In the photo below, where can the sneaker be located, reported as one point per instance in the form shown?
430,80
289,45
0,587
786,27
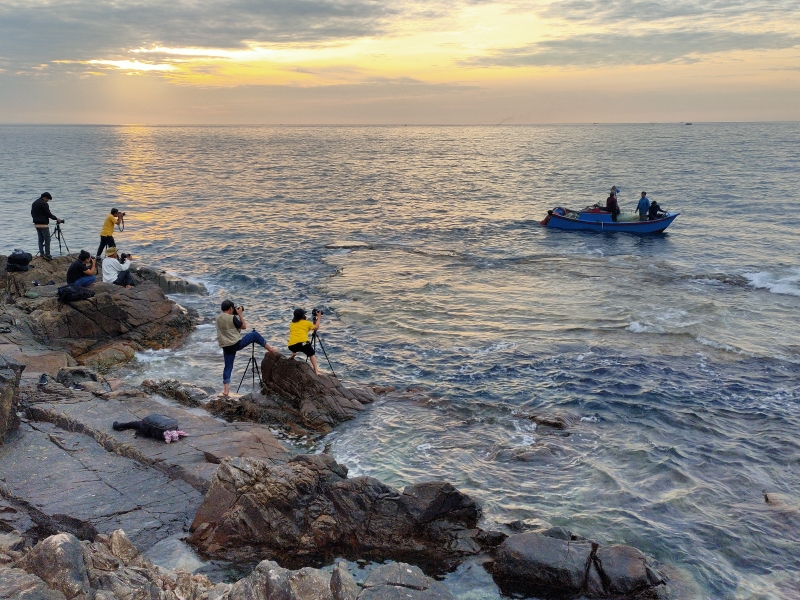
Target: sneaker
47,257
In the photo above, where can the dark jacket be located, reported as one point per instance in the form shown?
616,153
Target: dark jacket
40,212
654,210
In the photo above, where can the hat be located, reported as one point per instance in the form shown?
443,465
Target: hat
110,251
299,313
46,195
614,189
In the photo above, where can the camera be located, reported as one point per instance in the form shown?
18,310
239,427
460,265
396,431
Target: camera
123,257
316,312
238,308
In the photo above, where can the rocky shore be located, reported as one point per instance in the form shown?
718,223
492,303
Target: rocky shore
80,501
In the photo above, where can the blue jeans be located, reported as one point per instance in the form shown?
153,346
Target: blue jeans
44,240
124,278
230,352
85,281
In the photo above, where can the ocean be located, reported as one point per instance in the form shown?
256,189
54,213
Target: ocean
677,355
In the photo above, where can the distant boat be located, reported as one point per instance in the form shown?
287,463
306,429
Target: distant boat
688,123
596,219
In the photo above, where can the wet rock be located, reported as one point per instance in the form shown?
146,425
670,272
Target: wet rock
343,586
400,581
559,421
308,507
552,565
296,399
10,374
11,542
58,561
348,245
185,393
169,283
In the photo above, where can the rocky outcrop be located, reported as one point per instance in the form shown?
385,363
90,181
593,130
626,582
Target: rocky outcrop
296,399
101,331
62,567
10,373
169,284
185,393
568,565
308,507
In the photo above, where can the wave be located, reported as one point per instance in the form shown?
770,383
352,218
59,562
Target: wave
788,285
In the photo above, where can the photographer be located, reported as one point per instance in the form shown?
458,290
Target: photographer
230,323
298,335
107,232
81,272
41,215
116,269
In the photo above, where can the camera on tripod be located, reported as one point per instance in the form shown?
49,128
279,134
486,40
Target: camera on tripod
315,313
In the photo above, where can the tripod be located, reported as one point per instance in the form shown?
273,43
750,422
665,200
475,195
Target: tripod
253,366
314,339
60,237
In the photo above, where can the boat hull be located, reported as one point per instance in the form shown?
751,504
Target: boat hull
587,224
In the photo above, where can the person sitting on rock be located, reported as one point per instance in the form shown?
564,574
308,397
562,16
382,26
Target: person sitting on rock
298,335
230,323
116,271
81,273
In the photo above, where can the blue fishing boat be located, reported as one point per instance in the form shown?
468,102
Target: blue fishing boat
597,219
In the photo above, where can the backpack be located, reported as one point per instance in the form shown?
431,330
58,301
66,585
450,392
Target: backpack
71,293
18,261
152,426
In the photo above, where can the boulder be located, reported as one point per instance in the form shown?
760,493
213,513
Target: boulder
169,283
185,393
559,564
308,508
16,584
10,374
83,378
268,580
400,581
294,397
343,586
58,561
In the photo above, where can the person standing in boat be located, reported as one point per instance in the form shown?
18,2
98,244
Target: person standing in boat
643,208
612,205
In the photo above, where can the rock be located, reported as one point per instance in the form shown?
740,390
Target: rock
169,284
308,507
400,581
82,378
10,374
343,586
110,326
16,584
185,393
270,581
554,421
348,245
11,541
297,399
544,565
58,561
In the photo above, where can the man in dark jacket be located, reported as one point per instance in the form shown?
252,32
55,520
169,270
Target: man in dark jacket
41,215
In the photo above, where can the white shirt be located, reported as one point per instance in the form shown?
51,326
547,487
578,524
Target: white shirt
112,268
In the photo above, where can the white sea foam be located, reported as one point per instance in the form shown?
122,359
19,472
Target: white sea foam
788,284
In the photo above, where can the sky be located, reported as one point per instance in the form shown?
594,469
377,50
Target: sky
399,62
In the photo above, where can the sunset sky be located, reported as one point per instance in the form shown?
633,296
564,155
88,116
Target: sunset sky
404,62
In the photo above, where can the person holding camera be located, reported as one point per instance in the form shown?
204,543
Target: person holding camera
81,273
116,269
230,323
298,334
107,232
41,215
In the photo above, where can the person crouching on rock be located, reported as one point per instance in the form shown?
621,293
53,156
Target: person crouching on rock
298,335
230,323
116,270
81,273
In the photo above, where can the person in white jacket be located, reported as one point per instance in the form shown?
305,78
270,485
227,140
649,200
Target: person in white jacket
116,271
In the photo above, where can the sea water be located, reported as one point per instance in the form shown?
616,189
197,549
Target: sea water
677,355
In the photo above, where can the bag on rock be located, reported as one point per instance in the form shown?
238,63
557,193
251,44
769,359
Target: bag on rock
71,293
18,261
152,426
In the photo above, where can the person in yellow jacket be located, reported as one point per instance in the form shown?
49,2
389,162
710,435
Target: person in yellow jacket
107,232
298,335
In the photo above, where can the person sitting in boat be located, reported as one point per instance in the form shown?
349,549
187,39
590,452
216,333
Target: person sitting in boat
655,211
612,205
643,208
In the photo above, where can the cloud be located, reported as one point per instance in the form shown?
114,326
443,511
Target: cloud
646,49
39,30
